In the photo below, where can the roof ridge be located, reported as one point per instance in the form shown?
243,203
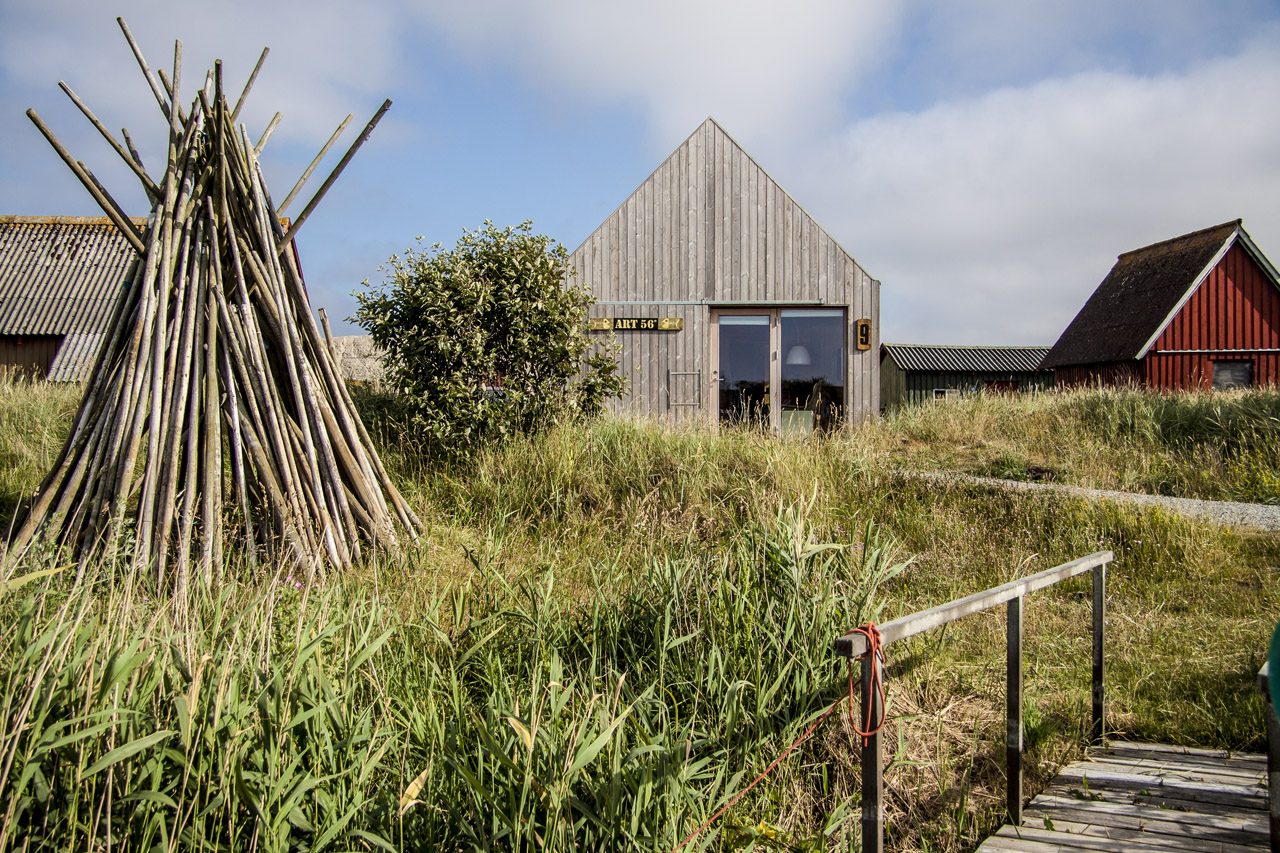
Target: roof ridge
971,346
12,219
1235,223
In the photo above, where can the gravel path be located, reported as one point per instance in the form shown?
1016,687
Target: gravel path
1256,516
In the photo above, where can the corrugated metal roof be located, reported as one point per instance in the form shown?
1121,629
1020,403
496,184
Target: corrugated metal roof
60,275
75,357
961,359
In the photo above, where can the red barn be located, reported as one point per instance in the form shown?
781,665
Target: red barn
1198,311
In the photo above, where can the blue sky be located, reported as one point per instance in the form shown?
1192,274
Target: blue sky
985,160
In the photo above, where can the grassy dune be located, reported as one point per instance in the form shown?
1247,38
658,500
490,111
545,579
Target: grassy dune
1219,446
604,633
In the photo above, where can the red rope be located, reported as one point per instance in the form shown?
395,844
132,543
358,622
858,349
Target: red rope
872,633
874,648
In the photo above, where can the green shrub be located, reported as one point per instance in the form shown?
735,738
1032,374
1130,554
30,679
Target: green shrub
487,340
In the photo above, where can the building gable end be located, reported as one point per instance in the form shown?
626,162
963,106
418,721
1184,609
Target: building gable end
1190,291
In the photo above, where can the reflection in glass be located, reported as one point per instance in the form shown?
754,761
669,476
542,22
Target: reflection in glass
744,369
813,369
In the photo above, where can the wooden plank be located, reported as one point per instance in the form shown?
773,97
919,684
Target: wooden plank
1273,763
1083,775
1148,841
1241,820
1149,823
1068,836
855,645
1140,796
1244,762
1248,774
1158,797
1117,780
1245,775
1158,774
1215,755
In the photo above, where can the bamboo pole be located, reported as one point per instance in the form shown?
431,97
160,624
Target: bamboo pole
212,358
129,158
244,93
333,176
333,137
146,69
266,134
108,204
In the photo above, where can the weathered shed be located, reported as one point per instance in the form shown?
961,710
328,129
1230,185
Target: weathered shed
914,373
1198,311
59,277
729,301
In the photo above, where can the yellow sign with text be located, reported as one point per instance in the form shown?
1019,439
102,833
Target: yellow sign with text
637,324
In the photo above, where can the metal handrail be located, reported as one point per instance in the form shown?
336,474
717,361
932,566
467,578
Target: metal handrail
1011,594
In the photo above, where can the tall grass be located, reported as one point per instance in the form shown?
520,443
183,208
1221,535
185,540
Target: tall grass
1216,445
605,633
506,716
36,417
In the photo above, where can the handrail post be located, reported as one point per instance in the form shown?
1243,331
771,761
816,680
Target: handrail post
872,760
1273,757
1013,710
1273,776
1099,614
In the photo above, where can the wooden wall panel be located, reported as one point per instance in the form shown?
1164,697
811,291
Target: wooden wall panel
710,227
1233,314
28,356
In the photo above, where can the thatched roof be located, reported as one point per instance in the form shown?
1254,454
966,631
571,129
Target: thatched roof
1139,296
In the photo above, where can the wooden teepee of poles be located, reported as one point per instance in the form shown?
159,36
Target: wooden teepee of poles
214,413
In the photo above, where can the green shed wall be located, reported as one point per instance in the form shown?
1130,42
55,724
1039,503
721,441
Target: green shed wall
899,387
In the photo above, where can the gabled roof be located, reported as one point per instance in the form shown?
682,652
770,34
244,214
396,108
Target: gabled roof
725,231
60,275
712,128
965,359
1143,292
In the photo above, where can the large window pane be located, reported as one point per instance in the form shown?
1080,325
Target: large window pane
813,353
744,368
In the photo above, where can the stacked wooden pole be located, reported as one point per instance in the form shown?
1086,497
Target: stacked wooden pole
214,412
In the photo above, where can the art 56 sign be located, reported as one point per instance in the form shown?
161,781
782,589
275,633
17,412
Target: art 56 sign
637,324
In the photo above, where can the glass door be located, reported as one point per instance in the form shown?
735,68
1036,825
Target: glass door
744,366
781,369
813,369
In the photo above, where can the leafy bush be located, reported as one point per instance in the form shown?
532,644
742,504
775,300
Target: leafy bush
487,339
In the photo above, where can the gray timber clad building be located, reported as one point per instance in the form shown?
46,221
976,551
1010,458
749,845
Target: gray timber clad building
728,301
59,277
913,373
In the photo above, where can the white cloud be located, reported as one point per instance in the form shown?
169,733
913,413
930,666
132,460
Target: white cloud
1014,152
762,67
992,218
325,61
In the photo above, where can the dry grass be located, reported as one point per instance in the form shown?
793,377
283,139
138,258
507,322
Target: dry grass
1223,445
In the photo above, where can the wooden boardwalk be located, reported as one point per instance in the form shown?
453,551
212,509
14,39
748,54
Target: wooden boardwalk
1144,797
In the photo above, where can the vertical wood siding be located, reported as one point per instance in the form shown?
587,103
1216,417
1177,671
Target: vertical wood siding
709,227
28,355
1237,307
913,387
1104,373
